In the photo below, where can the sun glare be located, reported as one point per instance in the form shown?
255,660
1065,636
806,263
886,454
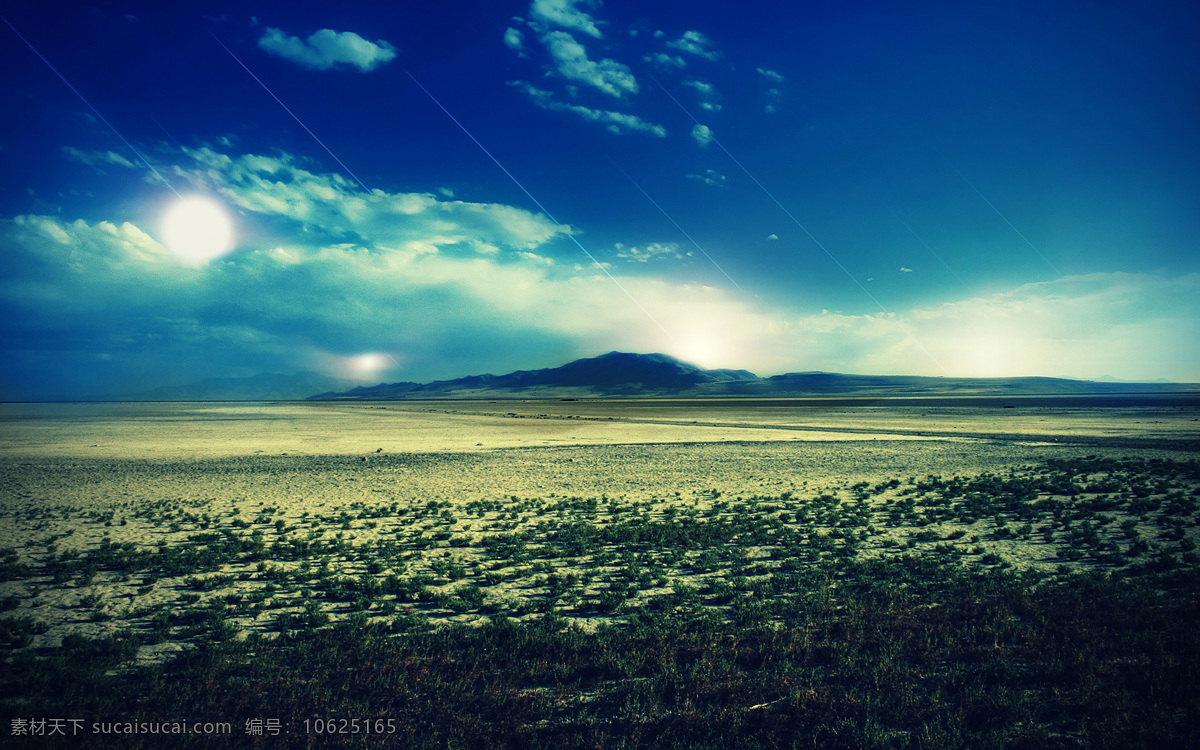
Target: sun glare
197,230
366,366
990,356
698,349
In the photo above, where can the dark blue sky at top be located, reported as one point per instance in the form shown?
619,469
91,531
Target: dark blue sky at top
1077,121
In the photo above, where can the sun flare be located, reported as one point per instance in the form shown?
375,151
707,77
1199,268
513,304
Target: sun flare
366,366
197,230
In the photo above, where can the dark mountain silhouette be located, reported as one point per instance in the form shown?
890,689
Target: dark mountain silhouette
620,374
612,374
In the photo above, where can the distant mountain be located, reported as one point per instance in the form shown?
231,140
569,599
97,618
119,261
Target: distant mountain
1111,379
612,374
262,387
620,374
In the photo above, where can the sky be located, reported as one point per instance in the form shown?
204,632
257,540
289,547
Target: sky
418,191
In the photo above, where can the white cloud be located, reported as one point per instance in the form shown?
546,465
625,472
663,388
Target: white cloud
108,289
535,258
515,40
710,177
553,21
651,251
695,43
904,269
327,48
571,62
772,236
103,245
702,134
278,186
707,92
616,122
96,158
663,60
565,14
770,75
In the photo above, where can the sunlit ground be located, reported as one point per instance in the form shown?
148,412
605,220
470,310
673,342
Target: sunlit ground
562,580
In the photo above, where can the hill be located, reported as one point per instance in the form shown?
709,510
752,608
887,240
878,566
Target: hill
625,375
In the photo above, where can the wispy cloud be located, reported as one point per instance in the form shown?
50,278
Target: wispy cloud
515,40
702,135
570,74
707,93
663,60
710,177
695,43
770,75
332,204
770,105
616,122
96,159
651,251
327,49
571,61
567,14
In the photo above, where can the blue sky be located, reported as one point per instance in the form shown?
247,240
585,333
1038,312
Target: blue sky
930,188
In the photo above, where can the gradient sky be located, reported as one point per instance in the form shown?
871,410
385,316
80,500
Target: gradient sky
936,188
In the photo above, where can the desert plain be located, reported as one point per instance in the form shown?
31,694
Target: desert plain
162,529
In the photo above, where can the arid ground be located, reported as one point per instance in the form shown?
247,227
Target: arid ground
155,529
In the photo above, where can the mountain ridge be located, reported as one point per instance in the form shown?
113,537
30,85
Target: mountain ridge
628,375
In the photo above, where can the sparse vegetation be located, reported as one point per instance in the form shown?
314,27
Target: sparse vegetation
1048,605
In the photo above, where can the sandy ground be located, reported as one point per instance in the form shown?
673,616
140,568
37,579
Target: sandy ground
209,430
183,431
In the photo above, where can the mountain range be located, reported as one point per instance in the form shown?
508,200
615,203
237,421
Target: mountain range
625,375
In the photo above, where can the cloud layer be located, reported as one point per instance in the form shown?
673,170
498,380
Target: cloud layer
333,272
